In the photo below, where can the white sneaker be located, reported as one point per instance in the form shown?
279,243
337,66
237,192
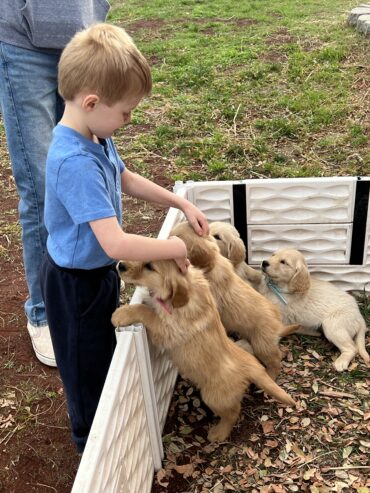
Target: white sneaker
42,345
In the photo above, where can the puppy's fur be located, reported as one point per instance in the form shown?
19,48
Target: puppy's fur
313,304
184,320
242,309
232,247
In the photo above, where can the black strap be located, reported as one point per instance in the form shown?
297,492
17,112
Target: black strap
360,214
240,213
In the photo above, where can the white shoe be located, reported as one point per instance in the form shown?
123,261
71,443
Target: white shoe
42,345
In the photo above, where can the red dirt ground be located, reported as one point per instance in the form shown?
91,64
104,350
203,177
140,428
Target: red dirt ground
37,452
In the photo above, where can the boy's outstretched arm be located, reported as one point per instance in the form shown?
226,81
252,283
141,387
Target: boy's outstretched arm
141,188
119,245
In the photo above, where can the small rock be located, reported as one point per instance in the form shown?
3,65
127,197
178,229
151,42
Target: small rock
355,14
363,23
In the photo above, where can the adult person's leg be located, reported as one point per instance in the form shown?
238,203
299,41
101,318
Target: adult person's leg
31,107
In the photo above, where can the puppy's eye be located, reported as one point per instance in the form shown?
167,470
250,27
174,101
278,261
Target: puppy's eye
217,237
283,262
149,266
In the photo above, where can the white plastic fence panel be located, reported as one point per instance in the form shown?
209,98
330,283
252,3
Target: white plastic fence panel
214,199
319,243
300,200
346,277
163,372
164,378
119,456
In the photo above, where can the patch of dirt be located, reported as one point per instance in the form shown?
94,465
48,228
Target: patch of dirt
230,20
159,28
280,37
146,24
273,56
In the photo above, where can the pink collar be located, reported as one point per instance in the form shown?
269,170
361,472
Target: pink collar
165,305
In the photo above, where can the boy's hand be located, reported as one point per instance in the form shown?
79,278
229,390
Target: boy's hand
196,218
181,260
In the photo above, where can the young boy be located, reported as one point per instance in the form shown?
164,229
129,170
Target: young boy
102,78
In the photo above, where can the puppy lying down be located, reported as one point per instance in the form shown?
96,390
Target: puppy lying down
183,319
242,309
315,303
302,299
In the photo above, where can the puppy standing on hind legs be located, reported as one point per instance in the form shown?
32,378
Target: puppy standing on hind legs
184,320
242,309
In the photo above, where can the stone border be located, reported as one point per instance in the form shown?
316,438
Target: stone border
359,17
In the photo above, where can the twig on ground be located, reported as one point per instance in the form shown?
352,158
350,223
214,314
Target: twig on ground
234,119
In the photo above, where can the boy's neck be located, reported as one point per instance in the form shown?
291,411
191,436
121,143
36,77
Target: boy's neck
73,119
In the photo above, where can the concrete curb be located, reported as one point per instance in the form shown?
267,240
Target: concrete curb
359,17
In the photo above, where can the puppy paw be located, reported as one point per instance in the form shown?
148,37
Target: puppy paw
218,433
120,318
341,363
244,344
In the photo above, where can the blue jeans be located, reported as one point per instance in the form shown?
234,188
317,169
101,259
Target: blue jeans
30,107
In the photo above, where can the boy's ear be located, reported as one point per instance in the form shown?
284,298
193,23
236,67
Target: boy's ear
90,101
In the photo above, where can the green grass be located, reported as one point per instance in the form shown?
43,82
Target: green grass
250,87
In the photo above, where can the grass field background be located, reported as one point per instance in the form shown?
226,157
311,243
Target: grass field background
251,89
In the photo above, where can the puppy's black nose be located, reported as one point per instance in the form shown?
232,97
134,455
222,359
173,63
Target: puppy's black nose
121,267
265,264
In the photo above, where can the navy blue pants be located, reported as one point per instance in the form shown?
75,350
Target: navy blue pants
79,305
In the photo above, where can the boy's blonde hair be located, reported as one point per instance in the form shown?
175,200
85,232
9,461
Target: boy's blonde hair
103,60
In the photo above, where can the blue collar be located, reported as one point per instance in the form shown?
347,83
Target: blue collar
275,289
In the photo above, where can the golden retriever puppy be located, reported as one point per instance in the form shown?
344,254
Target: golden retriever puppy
232,247
184,320
242,309
314,304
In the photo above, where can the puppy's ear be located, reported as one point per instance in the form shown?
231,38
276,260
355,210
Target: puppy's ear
236,251
300,282
203,254
180,296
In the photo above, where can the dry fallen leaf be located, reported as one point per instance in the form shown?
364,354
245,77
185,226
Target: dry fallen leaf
310,473
268,427
162,474
365,443
185,469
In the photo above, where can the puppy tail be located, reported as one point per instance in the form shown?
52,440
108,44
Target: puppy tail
289,329
264,382
360,343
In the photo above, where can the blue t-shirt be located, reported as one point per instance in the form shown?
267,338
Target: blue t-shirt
83,183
